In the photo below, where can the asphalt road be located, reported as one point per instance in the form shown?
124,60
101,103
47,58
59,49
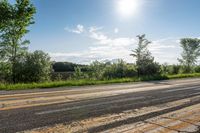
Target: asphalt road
26,110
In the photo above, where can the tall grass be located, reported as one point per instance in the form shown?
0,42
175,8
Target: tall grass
91,82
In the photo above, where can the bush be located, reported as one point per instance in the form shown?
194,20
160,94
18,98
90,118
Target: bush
34,67
165,68
197,69
174,69
96,70
67,67
100,71
149,69
185,69
119,70
170,69
5,72
78,74
56,76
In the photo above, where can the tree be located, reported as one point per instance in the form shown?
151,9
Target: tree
66,66
96,70
4,72
34,67
190,54
119,69
78,74
14,20
144,60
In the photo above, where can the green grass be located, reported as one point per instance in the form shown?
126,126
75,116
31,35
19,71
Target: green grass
90,82
178,76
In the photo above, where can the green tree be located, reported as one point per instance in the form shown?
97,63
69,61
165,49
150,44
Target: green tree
78,74
197,69
144,60
165,68
4,72
14,20
34,67
190,54
120,69
175,69
96,70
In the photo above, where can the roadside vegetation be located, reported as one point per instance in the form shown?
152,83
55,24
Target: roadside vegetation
21,69
84,82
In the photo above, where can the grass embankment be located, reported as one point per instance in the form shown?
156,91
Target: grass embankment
91,82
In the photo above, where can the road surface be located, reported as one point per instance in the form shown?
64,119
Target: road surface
160,106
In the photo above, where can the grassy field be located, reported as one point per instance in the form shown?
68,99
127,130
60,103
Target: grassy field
90,82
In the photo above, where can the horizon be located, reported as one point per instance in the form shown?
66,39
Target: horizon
85,31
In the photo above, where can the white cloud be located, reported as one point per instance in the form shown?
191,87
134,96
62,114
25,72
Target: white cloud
94,28
106,47
166,50
78,30
161,44
116,30
95,34
103,39
64,54
111,48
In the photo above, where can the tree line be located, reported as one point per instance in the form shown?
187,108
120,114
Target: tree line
145,65
18,65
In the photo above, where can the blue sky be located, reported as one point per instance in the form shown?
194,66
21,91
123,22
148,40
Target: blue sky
85,30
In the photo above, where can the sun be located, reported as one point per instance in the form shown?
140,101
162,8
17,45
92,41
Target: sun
128,8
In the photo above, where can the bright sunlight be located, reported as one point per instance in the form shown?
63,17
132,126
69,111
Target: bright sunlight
128,8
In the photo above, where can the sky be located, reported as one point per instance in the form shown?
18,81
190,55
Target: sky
82,31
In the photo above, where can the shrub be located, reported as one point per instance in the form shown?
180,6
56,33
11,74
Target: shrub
34,67
197,69
78,74
175,69
119,70
164,68
96,70
5,72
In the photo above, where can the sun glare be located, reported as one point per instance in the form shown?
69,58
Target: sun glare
128,8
